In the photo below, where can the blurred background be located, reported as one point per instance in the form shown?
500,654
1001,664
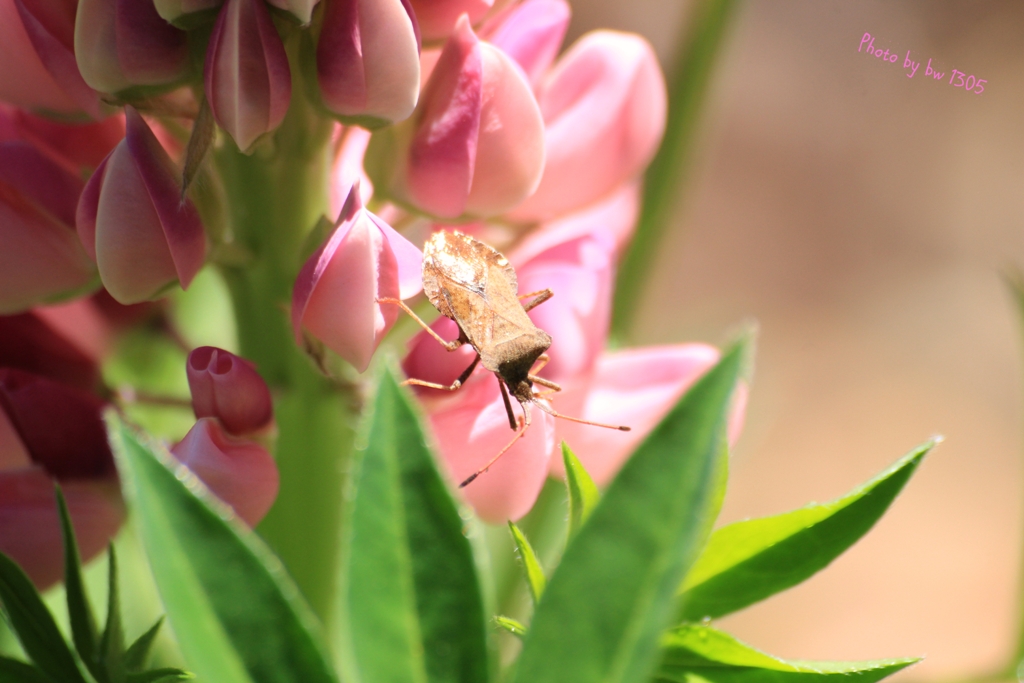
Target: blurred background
865,220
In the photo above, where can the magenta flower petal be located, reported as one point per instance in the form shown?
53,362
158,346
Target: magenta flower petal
335,295
61,427
30,530
532,33
143,236
77,145
471,429
241,473
228,388
604,107
367,59
438,18
123,43
247,78
636,387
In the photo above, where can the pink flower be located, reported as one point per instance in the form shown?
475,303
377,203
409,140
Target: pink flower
248,82
75,145
437,18
604,107
475,144
122,43
635,387
531,35
38,53
471,428
40,257
241,473
335,296
228,388
367,60
64,342
51,431
132,221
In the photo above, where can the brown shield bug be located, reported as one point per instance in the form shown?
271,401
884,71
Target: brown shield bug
474,285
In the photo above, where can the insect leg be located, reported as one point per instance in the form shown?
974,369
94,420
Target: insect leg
445,387
542,296
508,405
545,383
450,345
523,424
543,359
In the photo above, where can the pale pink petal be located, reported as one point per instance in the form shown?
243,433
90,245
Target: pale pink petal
241,473
431,362
636,388
473,428
25,80
532,33
437,18
227,387
408,260
351,142
604,108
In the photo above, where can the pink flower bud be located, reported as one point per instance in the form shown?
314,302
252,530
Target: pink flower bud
30,531
367,60
471,428
604,107
40,257
172,10
636,387
228,388
38,53
336,293
132,221
123,43
248,82
301,9
474,146
241,473
64,343
431,362
532,33
437,18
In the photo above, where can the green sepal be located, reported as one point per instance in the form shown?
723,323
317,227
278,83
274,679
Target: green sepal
534,573
749,561
83,622
583,493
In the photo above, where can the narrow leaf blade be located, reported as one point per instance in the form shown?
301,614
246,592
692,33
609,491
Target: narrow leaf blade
83,622
510,625
138,652
583,493
14,671
411,607
749,561
237,616
112,642
34,626
531,565
605,607
159,676
693,652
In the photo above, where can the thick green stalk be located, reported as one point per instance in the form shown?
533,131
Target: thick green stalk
274,197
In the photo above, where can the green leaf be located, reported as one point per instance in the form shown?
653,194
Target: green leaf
14,671
83,623
701,42
700,653
112,643
583,493
531,565
34,626
748,561
159,676
613,593
410,605
138,652
510,625
237,616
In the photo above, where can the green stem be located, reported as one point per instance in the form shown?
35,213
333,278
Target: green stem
699,46
274,197
1015,280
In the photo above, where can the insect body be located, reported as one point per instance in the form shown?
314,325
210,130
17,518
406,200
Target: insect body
475,286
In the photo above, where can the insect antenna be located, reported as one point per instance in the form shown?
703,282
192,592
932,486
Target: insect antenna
552,413
523,424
